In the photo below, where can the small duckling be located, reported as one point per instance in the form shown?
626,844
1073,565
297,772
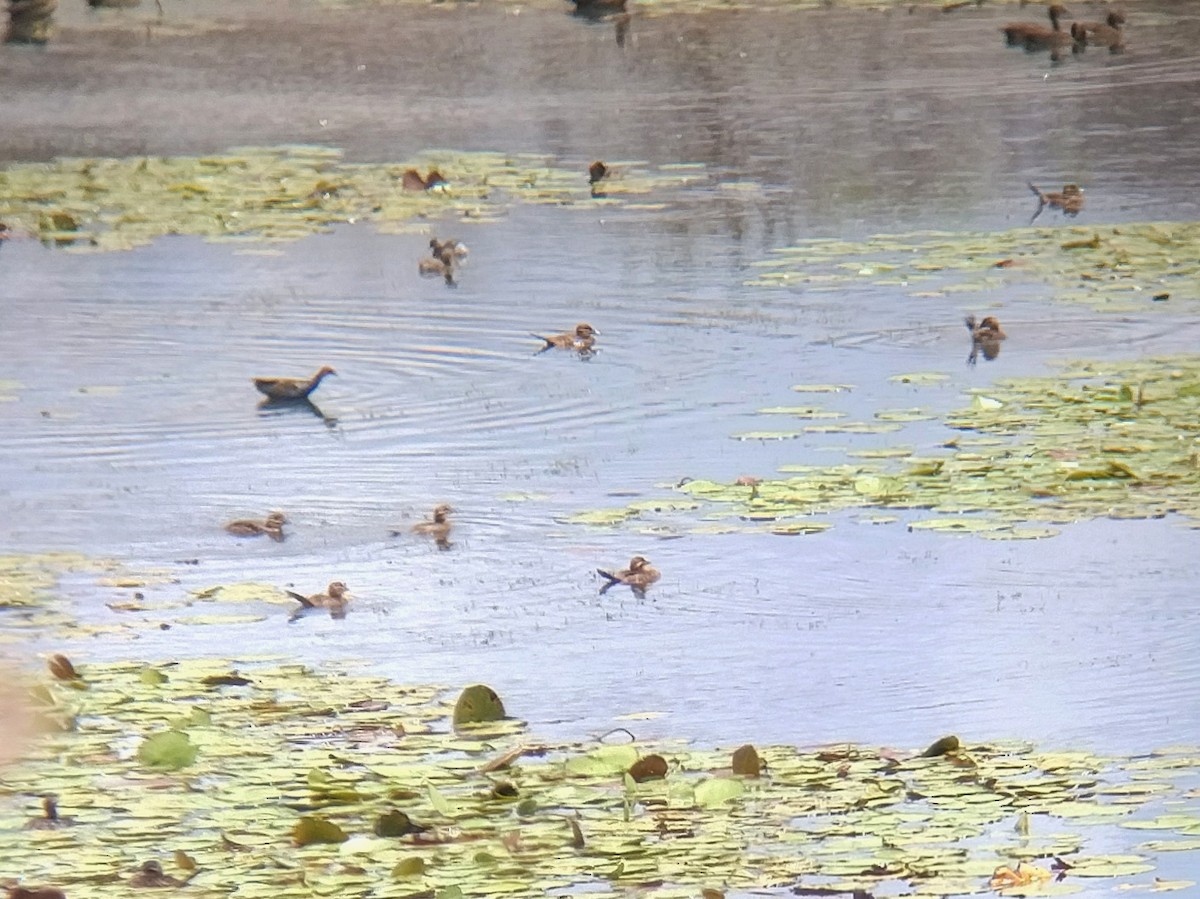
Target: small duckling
638,576
985,336
1107,33
582,339
335,599
1017,33
1070,200
412,180
151,876
250,527
291,388
36,893
50,818
438,528
441,266
456,248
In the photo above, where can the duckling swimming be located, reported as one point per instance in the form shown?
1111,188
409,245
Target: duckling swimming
250,527
334,599
36,893
638,576
151,876
582,339
1070,200
50,819
985,337
440,266
292,388
1016,34
455,248
1107,33
438,528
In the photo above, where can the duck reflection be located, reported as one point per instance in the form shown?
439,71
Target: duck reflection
303,404
985,338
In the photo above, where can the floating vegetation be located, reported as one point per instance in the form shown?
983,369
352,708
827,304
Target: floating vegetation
284,193
283,782
1109,267
1102,439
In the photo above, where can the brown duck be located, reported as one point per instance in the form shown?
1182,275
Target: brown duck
335,599
272,526
440,266
151,876
1070,200
50,818
455,248
412,180
438,527
582,339
292,388
599,7
36,893
1017,34
1107,33
985,338
638,576
597,172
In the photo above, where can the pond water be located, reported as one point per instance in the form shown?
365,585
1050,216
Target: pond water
135,431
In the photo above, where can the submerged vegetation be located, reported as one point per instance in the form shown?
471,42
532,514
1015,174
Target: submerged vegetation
274,780
1108,267
284,193
1101,439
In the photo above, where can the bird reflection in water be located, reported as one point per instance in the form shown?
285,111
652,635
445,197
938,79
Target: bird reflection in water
985,338
303,404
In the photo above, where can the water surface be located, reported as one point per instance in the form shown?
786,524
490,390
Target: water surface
136,432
